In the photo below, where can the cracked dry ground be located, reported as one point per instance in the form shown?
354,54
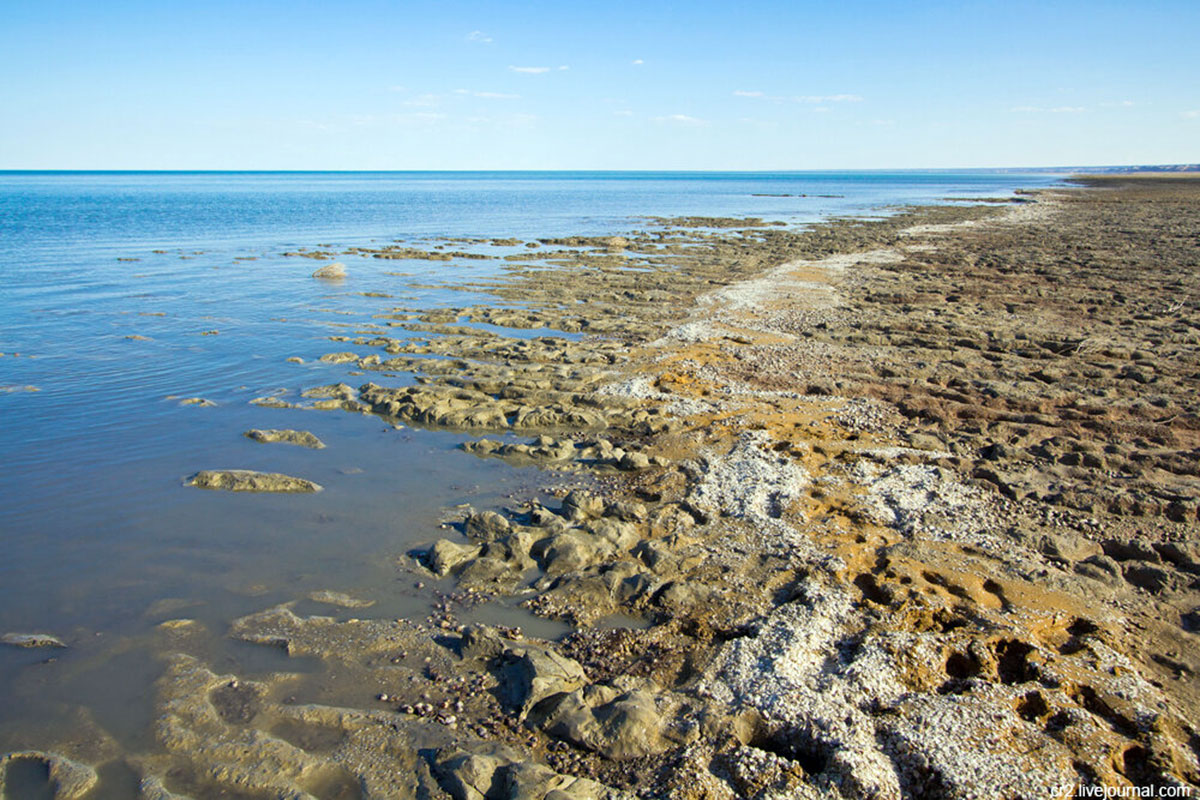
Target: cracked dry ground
920,521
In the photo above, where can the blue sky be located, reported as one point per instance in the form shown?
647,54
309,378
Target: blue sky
616,85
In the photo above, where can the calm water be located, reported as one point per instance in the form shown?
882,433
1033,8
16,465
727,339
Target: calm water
96,528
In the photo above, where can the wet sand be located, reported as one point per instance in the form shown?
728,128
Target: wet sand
884,508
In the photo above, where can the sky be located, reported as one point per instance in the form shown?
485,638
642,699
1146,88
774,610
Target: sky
376,85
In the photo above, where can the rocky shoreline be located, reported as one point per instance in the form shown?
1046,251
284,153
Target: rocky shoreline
902,507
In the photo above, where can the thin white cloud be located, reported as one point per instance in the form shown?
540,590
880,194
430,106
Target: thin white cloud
1024,109
624,112
638,62
1191,114
682,119
1120,104
743,93
530,70
1067,110
479,36
563,67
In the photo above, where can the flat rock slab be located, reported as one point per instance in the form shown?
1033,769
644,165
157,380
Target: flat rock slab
245,480
31,640
339,599
301,438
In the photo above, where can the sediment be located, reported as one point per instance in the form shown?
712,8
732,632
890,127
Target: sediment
888,508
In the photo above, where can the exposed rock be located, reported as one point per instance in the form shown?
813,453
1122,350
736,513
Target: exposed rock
68,780
618,725
533,673
334,271
31,640
245,480
445,555
486,525
302,438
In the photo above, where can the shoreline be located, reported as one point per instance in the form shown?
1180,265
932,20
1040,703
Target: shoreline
772,491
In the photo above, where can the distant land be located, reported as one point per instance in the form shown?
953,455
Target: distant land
1112,170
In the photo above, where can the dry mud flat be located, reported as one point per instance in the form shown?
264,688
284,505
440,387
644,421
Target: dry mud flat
903,508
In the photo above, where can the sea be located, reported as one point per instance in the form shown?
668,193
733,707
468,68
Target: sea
125,294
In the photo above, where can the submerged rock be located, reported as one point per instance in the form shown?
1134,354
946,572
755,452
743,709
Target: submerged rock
245,480
339,599
272,436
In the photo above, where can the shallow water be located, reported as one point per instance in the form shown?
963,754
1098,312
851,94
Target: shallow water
100,541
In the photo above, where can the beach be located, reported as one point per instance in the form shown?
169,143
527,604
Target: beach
895,506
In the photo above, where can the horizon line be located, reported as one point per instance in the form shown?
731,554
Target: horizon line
1018,168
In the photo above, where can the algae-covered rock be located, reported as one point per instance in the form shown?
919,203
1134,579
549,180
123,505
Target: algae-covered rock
272,436
245,480
69,780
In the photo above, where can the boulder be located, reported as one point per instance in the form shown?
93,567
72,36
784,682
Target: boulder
603,719
580,505
486,525
531,673
445,555
334,271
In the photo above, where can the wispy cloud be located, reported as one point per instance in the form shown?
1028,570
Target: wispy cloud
1118,104
682,119
488,95
624,112
479,36
1191,114
744,93
638,62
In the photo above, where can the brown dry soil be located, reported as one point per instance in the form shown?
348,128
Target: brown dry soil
887,508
